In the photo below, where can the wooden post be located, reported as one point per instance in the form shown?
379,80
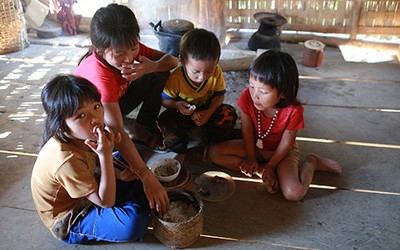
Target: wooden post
212,18
355,19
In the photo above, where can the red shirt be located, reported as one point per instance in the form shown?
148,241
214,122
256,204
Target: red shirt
289,118
107,79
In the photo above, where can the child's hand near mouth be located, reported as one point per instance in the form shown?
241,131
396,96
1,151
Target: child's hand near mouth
104,140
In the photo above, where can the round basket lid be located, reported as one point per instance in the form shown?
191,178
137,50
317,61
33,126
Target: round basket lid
215,186
179,26
314,45
271,19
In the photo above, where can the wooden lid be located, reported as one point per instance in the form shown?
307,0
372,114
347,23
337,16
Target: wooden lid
314,45
177,26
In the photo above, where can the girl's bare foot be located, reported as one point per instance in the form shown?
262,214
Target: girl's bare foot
324,164
270,189
259,171
267,182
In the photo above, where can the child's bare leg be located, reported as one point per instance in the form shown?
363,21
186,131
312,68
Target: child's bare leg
325,164
295,181
228,154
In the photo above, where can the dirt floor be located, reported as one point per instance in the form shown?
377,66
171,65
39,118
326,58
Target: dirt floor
352,114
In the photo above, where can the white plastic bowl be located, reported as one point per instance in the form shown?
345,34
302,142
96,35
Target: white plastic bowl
166,175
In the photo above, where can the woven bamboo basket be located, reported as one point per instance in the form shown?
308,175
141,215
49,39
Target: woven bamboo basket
313,53
13,35
180,234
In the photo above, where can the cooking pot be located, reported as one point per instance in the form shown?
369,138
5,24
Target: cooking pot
169,34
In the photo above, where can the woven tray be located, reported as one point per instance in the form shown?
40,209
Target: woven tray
181,182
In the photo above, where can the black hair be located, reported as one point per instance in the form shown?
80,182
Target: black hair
61,98
200,44
278,69
113,25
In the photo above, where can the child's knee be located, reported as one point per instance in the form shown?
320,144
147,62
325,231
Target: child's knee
292,193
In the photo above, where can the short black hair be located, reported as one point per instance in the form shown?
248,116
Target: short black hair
61,98
200,44
278,70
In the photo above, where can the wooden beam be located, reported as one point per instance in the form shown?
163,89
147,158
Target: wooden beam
355,19
212,18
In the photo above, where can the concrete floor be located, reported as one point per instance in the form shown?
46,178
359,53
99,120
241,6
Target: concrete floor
352,115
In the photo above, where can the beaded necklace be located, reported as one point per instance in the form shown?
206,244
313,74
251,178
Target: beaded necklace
259,143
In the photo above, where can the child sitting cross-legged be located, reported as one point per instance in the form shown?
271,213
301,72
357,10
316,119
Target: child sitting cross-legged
194,94
271,115
74,183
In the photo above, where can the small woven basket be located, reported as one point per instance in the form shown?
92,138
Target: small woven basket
13,35
180,234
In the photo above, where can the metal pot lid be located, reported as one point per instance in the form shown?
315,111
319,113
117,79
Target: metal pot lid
177,26
271,19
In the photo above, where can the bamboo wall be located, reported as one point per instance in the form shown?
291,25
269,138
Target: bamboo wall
329,16
381,17
348,17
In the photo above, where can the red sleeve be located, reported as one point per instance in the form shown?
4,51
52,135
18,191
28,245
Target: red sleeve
296,121
107,80
108,88
244,101
145,51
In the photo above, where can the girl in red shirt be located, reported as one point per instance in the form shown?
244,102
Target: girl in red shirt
271,115
128,74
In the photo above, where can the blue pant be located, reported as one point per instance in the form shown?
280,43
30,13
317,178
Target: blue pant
127,220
